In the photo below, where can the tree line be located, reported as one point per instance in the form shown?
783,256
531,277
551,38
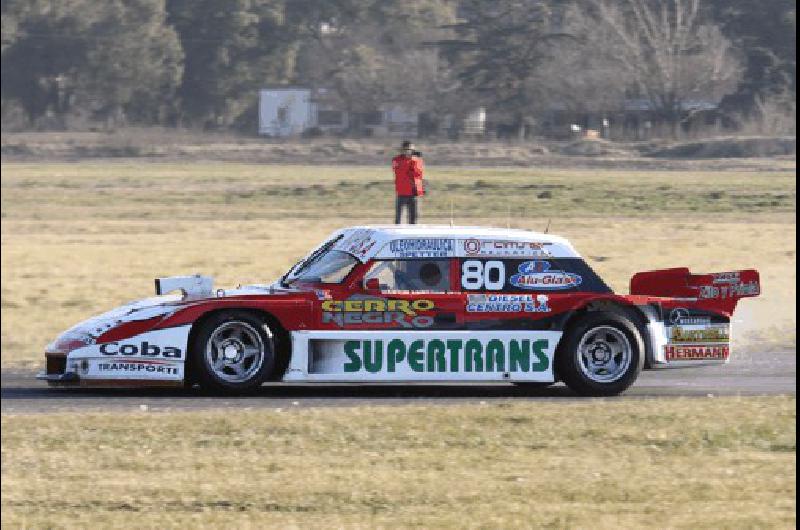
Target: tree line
200,63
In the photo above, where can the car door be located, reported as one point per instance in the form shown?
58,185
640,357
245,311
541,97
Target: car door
524,297
398,294
421,319
396,320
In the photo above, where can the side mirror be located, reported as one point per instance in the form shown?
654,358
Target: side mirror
372,284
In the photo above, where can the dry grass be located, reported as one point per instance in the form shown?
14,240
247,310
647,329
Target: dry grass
641,463
78,239
153,143
218,191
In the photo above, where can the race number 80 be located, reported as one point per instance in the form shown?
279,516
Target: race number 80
478,275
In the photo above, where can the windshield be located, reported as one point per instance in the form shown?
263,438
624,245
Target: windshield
332,266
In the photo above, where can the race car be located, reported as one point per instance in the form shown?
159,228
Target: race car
381,304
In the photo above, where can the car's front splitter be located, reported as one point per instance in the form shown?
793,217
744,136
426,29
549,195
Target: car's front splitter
71,379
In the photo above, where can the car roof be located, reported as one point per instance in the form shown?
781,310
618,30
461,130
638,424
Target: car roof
430,241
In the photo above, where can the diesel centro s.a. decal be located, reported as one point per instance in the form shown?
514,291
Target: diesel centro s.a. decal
507,303
403,304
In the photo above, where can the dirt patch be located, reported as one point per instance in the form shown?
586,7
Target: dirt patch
759,147
182,146
594,147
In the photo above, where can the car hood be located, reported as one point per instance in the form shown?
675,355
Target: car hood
88,331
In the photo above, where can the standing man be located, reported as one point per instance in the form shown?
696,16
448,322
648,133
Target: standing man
408,168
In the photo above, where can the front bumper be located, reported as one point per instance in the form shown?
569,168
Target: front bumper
71,379
65,379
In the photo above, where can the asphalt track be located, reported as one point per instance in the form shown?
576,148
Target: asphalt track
747,374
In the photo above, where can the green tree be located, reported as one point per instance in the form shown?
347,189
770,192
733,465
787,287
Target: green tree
668,52
135,63
43,54
111,60
371,52
232,49
500,52
767,34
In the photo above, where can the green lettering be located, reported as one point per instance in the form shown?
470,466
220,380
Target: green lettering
436,349
454,347
472,351
373,363
415,355
520,355
351,350
495,355
395,353
539,348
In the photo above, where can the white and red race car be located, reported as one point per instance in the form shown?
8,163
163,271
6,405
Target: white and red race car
378,304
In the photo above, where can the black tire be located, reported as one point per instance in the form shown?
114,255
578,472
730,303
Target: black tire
587,359
222,353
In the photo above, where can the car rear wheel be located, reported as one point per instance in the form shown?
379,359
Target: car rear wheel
233,352
602,354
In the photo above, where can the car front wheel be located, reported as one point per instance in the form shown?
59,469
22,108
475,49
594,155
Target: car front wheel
602,354
233,352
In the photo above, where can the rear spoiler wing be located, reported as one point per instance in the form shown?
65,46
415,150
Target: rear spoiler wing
718,291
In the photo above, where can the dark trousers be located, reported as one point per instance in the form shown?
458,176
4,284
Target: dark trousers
411,205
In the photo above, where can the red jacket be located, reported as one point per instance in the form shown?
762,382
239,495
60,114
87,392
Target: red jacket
408,176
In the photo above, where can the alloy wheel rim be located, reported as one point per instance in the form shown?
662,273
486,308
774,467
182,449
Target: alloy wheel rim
604,354
235,352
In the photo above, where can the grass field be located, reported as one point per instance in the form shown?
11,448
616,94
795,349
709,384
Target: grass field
216,191
81,238
680,463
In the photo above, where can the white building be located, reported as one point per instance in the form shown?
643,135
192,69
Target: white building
285,111
291,111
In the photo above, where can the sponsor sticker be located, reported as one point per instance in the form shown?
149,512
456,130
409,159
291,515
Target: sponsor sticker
539,275
144,349
446,355
730,290
321,295
687,334
146,367
507,303
359,310
681,315
696,352
422,248
726,277
359,243
503,248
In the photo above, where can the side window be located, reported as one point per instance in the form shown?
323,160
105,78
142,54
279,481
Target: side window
431,276
538,274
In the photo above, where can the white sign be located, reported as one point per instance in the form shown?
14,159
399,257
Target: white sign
423,356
